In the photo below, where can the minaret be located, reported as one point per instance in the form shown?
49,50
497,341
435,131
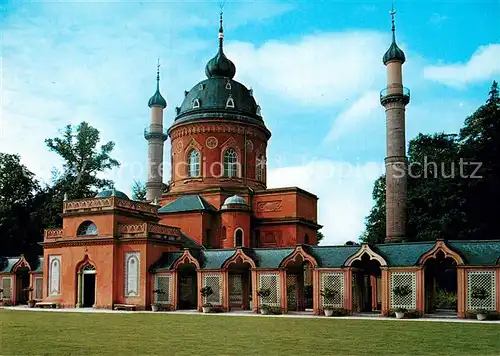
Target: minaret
394,99
155,137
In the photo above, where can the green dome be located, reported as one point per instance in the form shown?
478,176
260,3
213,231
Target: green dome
220,96
220,66
394,53
157,100
112,193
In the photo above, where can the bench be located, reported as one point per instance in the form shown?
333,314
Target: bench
124,307
46,304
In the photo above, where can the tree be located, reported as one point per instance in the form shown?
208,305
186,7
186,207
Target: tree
375,221
82,160
319,236
139,191
20,230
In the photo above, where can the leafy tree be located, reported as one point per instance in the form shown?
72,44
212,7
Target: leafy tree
83,160
375,221
139,191
320,236
19,227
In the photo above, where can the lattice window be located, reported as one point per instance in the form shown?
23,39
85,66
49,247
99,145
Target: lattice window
335,281
291,291
38,288
485,283
404,280
132,276
7,287
235,289
215,282
163,283
54,275
354,291
271,281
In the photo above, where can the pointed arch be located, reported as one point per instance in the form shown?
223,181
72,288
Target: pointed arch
238,256
186,257
372,254
299,251
440,246
22,262
84,262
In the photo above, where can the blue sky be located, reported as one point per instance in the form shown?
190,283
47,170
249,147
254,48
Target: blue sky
315,67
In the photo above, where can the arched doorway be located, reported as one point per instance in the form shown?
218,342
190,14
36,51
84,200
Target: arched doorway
299,284
239,269
22,285
87,283
187,286
366,284
440,276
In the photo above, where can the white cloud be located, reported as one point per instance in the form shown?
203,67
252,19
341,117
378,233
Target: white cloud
317,70
483,65
437,18
364,109
344,191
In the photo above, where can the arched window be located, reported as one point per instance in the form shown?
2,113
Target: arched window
87,228
260,168
54,275
196,103
132,274
229,103
193,163
238,238
230,163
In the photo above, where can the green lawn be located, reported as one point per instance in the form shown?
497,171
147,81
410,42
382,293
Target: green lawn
53,333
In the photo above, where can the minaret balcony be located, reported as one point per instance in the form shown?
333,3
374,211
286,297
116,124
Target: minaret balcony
395,93
155,134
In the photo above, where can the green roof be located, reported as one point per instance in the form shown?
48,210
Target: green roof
7,263
214,259
271,257
39,267
187,203
403,254
333,256
112,193
478,253
165,261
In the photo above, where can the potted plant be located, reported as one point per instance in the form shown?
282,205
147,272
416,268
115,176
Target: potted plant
481,294
205,293
401,292
328,295
156,306
31,302
400,313
263,294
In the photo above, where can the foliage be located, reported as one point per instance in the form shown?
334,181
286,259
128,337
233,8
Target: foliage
479,293
446,300
308,291
339,311
320,236
83,160
400,310
139,191
402,291
329,295
264,292
451,176
159,291
205,293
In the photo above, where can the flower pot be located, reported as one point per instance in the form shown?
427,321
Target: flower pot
481,316
400,315
31,303
328,312
264,311
154,307
206,309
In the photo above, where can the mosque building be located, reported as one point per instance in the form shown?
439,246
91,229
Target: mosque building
216,224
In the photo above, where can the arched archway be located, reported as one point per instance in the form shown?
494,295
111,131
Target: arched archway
86,286
239,268
187,281
299,281
366,284
22,271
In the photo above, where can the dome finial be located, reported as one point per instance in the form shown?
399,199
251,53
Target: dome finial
220,65
157,99
393,13
394,53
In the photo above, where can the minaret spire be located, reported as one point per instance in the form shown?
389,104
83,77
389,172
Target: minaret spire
158,75
221,32
393,13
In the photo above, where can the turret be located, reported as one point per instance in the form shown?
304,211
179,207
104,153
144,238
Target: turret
235,219
394,98
156,137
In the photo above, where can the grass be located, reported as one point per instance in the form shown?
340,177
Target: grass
53,333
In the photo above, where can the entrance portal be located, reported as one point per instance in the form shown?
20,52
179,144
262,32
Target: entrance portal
88,287
366,275
440,275
187,286
240,285
22,285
